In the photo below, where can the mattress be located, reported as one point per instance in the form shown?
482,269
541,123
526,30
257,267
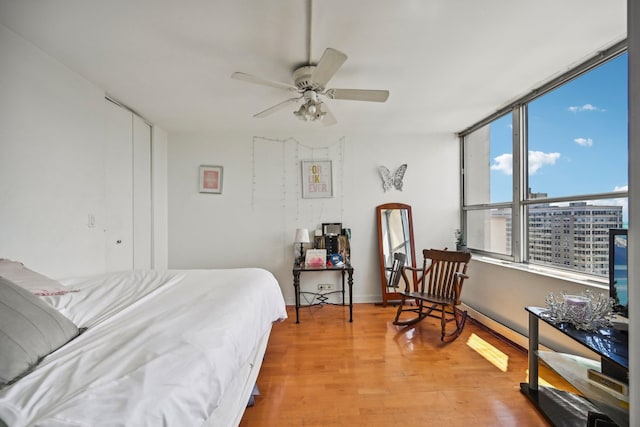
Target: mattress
160,348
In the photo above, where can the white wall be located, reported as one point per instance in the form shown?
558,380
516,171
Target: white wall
52,167
253,221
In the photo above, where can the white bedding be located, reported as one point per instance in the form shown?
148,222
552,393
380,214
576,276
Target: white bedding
160,349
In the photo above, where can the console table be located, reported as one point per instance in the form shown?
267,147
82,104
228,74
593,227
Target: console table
568,409
348,269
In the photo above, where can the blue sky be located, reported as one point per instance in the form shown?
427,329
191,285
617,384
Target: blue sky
577,137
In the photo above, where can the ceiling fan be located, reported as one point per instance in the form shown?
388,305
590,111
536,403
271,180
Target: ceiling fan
310,83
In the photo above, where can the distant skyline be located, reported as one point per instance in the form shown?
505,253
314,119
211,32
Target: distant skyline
578,138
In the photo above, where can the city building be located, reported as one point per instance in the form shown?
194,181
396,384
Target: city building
574,236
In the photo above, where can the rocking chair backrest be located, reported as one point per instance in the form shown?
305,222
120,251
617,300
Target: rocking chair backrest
396,270
444,273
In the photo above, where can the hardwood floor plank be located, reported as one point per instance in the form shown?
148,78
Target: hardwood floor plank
326,371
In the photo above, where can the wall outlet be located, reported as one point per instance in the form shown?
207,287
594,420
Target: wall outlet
325,286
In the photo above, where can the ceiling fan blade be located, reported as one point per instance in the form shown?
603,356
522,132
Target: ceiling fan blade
330,62
260,81
276,107
358,94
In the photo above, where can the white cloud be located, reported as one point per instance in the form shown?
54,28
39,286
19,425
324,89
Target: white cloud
585,142
622,188
585,107
537,159
503,163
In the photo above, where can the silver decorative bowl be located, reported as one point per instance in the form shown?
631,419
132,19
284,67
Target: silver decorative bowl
589,311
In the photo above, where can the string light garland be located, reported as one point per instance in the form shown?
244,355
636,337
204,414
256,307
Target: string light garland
292,152
295,211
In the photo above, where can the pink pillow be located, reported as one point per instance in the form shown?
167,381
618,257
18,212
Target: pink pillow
34,282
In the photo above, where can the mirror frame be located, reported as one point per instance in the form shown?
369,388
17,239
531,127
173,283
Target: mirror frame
386,295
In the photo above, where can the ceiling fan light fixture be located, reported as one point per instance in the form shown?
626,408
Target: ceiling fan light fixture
302,113
310,111
319,114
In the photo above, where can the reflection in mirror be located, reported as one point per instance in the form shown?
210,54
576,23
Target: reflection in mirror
395,234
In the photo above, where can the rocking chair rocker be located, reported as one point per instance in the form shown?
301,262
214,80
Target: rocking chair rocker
440,286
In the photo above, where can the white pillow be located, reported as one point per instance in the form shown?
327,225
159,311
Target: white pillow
29,330
34,282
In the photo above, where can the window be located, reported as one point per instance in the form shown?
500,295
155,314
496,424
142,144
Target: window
580,130
491,144
578,230
545,178
489,189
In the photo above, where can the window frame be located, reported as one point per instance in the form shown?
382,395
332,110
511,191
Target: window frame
520,199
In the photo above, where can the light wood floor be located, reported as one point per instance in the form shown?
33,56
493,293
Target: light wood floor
326,371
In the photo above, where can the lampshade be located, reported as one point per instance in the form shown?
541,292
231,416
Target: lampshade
302,235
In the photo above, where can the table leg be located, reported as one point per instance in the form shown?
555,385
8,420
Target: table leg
342,287
350,281
296,287
533,352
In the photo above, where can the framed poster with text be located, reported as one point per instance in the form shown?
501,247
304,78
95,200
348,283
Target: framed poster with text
316,179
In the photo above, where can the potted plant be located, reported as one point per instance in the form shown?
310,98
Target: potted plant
461,244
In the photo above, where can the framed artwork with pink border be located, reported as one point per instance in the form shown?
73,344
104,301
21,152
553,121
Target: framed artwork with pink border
211,179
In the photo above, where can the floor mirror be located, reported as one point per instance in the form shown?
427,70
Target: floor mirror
395,234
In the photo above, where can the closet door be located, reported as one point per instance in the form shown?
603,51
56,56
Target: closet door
128,190
142,223
119,188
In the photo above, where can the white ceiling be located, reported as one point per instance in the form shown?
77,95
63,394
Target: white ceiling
447,63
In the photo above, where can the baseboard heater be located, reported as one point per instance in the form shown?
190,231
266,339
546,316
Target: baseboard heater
509,334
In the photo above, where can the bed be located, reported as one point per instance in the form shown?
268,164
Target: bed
173,348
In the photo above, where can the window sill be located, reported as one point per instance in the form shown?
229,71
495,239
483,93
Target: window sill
578,278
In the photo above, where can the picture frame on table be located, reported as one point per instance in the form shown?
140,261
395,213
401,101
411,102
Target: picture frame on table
316,258
317,179
332,228
211,179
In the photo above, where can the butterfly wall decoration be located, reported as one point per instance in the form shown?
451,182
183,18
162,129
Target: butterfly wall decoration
395,180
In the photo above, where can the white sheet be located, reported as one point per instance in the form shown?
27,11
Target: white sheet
160,349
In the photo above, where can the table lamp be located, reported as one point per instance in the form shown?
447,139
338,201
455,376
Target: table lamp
302,237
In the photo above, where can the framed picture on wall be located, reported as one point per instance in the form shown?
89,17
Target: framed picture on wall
211,179
317,179
332,228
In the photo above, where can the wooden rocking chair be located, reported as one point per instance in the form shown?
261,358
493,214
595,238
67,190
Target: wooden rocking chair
437,290
396,271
